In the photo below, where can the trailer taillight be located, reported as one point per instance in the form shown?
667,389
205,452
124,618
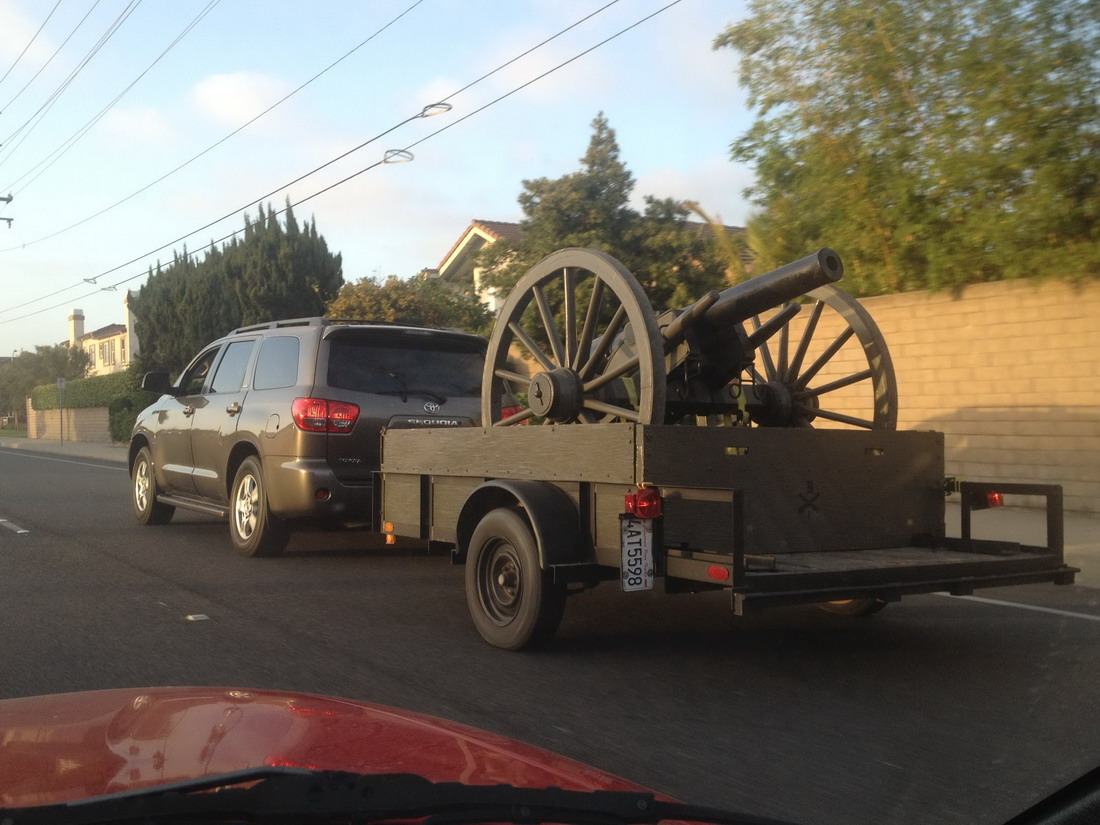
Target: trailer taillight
319,415
646,503
985,501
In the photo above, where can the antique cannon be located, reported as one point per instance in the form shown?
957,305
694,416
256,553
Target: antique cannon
749,355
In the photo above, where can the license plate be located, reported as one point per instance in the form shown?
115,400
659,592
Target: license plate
637,550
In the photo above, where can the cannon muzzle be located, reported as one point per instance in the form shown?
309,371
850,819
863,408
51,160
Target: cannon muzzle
773,289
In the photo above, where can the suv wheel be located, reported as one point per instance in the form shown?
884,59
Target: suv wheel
254,530
143,489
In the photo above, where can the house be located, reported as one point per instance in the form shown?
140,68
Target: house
111,347
458,266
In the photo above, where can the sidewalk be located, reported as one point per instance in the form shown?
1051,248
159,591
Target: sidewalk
1082,530
77,449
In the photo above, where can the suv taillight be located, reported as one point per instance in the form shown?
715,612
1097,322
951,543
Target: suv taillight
508,412
319,415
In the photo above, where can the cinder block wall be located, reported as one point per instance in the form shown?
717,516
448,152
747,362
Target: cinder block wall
1010,373
85,424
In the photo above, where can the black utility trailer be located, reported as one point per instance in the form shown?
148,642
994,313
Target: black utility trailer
849,520
732,445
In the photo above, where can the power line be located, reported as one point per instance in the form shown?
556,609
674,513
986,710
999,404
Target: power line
71,141
218,143
32,122
31,42
360,146
57,51
386,158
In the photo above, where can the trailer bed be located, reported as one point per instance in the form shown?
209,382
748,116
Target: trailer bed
780,516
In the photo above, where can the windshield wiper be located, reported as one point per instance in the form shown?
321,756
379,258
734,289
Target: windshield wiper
278,794
405,391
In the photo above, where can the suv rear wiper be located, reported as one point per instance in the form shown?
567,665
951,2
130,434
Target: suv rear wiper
279,794
405,391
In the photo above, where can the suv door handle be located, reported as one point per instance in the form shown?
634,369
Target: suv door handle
189,411
233,408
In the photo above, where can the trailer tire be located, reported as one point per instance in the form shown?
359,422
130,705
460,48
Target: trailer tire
853,607
511,600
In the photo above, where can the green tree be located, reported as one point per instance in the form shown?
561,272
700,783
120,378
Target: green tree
930,142
272,271
674,258
43,366
421,300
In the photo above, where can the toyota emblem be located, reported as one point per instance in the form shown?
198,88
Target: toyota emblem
431,407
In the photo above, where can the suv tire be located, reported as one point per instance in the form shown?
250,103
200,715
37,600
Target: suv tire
143,492
252,527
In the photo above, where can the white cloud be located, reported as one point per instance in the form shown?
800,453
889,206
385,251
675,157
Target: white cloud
715,184
144,125
16,33
233,99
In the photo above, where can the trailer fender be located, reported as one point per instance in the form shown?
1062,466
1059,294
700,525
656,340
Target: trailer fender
551,513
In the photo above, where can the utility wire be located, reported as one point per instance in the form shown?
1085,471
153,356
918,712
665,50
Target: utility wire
71,141
215,145
31,43
360,146
387,158
32,122
287,97
57,51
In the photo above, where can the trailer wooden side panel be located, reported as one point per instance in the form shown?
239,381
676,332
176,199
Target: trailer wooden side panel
596,453
802,489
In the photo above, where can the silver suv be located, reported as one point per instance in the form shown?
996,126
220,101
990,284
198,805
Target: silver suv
280,424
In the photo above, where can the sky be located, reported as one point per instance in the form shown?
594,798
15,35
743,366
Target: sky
133,129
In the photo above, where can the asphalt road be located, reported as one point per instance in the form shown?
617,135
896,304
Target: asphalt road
938,709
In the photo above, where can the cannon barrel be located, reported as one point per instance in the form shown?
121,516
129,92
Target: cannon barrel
742,301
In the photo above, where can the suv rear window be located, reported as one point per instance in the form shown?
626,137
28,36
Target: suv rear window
406,362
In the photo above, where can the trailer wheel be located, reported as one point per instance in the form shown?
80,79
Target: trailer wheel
512,603
853,607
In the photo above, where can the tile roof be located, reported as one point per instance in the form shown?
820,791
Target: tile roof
104,332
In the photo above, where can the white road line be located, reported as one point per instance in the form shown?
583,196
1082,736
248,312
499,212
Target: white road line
13,527
65,461
1068,613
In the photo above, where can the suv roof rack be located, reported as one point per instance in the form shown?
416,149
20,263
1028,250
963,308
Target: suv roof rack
316,321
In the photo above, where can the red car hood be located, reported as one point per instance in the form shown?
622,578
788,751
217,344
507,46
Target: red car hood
70,746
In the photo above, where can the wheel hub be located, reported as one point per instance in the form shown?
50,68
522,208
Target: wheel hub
557,395
772,405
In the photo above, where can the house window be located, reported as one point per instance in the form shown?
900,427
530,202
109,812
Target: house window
122,349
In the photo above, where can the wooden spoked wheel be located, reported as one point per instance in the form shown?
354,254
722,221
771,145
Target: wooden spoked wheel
825,365
585,327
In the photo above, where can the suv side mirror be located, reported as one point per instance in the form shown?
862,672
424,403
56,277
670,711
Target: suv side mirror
158,383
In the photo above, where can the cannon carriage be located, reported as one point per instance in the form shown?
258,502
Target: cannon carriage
750,355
